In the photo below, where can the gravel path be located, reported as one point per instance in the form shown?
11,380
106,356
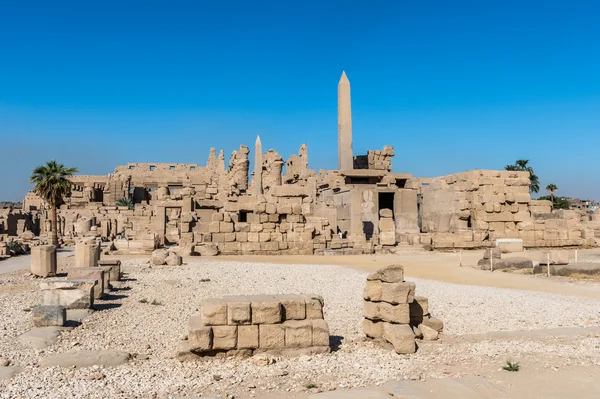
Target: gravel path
130,322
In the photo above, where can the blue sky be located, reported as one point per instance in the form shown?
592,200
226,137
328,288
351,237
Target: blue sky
453,85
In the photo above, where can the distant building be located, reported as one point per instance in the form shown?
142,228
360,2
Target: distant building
584,205
10,205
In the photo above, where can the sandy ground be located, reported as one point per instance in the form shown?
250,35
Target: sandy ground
550,326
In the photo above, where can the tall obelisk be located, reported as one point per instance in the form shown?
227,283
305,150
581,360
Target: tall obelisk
258,161
345,159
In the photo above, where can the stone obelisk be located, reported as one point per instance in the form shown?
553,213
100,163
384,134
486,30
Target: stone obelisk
345,159
258,161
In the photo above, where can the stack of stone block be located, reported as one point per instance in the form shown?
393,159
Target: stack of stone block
276,324
387,227
394,314
86,267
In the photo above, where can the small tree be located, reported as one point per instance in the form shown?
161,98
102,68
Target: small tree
552,188
522,166
51,184
128,202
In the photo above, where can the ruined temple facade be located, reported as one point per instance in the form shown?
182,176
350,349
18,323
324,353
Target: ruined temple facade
285,207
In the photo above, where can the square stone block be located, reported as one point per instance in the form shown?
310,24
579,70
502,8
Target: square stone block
115,268
398,292
213,311
298,333
200,337
390,274
266,309
49,316
372,290
89,273
314,306
238,310
320,334
401,336
294,306
43,260
70,294
224,337
373,329
271,336
247,337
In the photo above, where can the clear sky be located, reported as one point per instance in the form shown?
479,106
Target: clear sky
452,85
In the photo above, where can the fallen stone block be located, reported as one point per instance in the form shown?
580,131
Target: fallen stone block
49,316
506,263
429,334
159,257
401,336
173,259
207,249
90,273
433,322
70,294
390,274
580,268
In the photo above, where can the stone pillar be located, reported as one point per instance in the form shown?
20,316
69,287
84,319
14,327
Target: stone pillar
238,168
272,165
345,159
87,253
258,163
43,260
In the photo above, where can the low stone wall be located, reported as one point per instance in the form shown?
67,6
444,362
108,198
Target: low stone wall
276,324
394,314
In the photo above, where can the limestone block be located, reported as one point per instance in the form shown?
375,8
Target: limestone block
314,306
298,333
372,290
70,294
508,245
429,334
115,268
265,309
387,225
247,336
386,213
200,336
394,313
87,253
214,312
217,217
43,260
401,336
294,306
271,208
396,293
90,273
224,337
173,259
271,336
226,227
238,310
387,238
373,329
49,316
214,226
389,274
320,333
434,323
159,256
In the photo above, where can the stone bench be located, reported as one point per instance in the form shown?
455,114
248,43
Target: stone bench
393,313
277,324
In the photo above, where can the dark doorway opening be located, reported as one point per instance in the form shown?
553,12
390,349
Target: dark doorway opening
386,201
243,216
368,229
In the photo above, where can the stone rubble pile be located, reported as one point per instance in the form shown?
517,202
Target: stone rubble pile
393,313
287,325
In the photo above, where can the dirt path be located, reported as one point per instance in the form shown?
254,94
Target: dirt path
439,266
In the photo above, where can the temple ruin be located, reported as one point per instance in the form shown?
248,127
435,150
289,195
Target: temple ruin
284,207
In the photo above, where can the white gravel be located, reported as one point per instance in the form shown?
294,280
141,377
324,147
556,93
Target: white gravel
156,331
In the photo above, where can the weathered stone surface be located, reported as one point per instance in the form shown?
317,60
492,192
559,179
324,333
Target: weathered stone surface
49,316
115,268
40,337
401,336
387,312
213,311
320,333
434,323
247,336
87,253
86,359
506,263
238,310
397,293
314,306
173,259
90,273
159,256
200,336
224,337
390,274
266,309
43,260
373,290
70,294
373,329
298,333
271,336
386,213
429,334
294,306
207,249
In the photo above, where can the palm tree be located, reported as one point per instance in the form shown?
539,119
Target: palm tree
51,184
128,202
521,165
552,188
